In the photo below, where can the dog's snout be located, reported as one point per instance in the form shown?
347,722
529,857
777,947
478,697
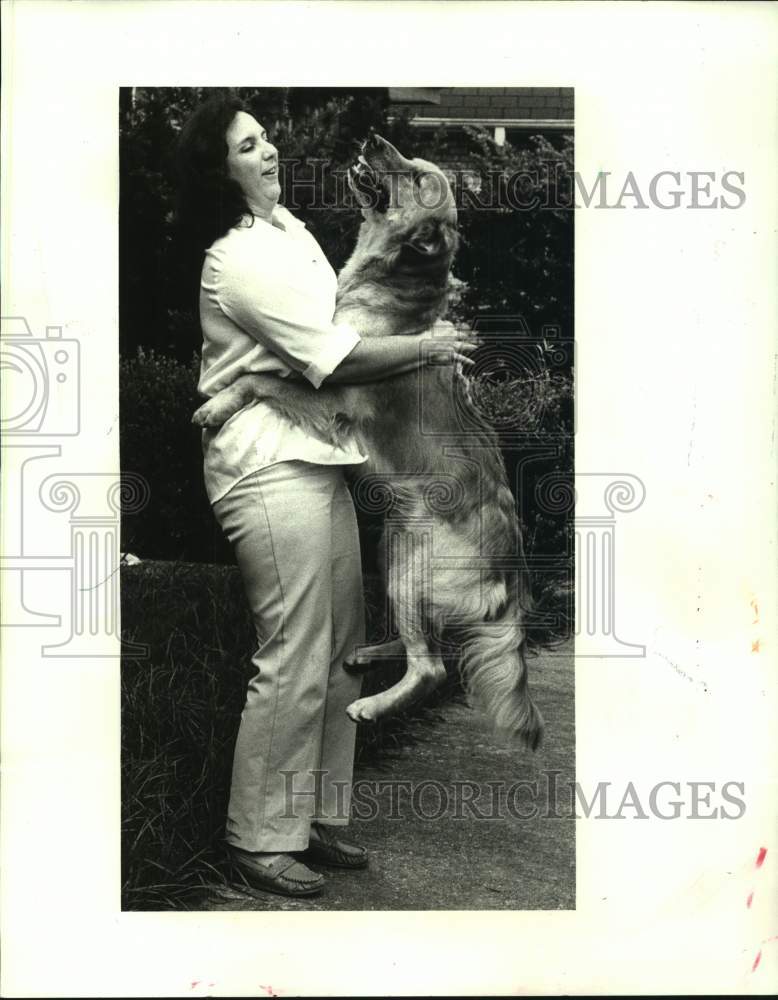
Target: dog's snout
382,154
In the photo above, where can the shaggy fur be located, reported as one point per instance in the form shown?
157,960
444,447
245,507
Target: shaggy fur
452,545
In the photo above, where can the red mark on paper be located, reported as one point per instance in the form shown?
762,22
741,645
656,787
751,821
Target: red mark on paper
755,646
758,864
195,983
269,990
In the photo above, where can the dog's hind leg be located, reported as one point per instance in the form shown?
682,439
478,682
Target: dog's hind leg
219,408
329,413
408,558
366,658
426,671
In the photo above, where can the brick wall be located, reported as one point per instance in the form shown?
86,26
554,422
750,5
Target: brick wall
498,102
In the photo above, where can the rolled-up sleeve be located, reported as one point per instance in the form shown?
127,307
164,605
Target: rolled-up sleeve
280,313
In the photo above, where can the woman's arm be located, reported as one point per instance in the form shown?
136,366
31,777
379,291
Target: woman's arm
370,360
379,357
275,310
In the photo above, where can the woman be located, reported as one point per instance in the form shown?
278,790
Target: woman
267,299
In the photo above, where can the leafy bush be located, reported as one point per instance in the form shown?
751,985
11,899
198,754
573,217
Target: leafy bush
520,261
157,397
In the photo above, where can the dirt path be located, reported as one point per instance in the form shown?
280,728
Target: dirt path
428,851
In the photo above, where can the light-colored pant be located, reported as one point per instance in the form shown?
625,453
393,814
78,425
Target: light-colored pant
294,532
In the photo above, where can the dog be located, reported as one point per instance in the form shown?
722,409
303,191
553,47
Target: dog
452,545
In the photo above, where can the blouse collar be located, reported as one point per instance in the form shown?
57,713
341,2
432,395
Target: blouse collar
282,218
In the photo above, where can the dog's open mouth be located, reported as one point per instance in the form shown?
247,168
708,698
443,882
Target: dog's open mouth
367,185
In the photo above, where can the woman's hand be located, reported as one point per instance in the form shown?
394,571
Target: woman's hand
448,345
376,358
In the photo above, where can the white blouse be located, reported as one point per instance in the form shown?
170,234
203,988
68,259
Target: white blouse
267,298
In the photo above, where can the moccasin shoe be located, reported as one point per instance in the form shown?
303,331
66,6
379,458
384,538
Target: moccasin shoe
284,874
327,848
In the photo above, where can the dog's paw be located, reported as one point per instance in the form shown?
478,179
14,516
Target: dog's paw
356,662
361,711
208,415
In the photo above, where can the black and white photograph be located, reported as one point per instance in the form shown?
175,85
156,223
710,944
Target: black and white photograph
346,327
387,455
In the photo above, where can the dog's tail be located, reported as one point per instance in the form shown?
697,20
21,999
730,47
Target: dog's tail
487,610
494,670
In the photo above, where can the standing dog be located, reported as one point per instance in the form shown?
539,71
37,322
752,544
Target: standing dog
452,541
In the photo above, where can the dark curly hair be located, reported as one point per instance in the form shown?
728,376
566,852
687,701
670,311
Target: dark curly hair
209,202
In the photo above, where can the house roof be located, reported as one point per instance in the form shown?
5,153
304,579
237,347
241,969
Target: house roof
487,104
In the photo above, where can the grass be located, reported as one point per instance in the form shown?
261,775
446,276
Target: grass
181,707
